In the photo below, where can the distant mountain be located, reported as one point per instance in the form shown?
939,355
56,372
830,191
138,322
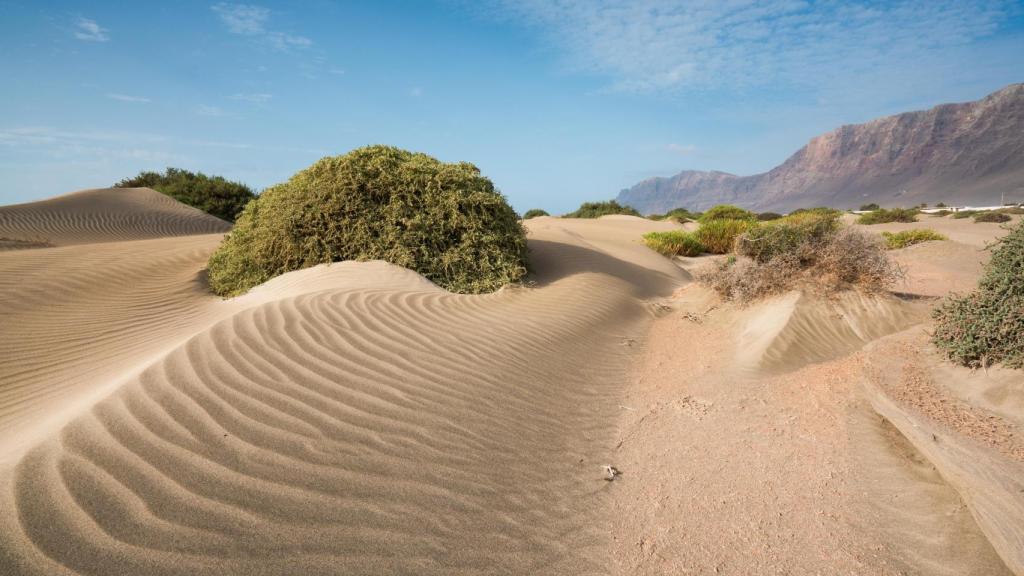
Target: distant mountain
965,153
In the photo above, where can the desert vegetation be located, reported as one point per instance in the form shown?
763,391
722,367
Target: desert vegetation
727,212
809,249
768,216
992,216
718,236
986,326
884,216
869,207
445,221
895,241
212,194
674,243
598,209
534,212
676,214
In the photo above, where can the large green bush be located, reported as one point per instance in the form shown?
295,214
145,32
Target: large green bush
674,243
986,326
883,216
727,212
718,236
598,209
445,221
211,194
534,213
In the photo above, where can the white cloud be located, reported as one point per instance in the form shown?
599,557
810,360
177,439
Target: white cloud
257,98
206,110
646,46
89,30
251,20
242,18
682,149
126,98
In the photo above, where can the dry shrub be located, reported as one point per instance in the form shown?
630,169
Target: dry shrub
840,259
727,212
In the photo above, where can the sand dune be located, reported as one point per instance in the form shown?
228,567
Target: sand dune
372,424
354,418
102,215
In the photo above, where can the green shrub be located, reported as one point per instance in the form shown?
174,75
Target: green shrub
786,236
677,215
872,207
727,212
993,216
211,194
942,213
533,213
940,205
445,221
719,236
910,237
964,214
882,216
598,209
821,210
674,243
766,216
1017,210
986,326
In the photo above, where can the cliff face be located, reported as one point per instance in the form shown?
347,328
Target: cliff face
966,153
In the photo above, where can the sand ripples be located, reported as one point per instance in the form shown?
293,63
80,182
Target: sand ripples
369,430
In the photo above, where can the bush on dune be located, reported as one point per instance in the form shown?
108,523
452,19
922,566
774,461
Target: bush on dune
718,236
808,249
1017,210
727,212
992,216
598,209
674,243
964,214
768,216
910,237
676,214
883,216
211,194
787,235
986,326
445,221
534,212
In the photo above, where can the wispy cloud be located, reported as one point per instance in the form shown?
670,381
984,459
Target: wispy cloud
243,18
257,98
207,110
682,149
644,46
89,30
127,98
251,20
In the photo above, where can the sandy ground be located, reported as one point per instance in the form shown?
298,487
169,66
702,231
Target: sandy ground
356,419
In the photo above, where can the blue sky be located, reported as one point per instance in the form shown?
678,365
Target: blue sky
557,101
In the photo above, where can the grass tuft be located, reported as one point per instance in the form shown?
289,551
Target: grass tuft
895,241
674,243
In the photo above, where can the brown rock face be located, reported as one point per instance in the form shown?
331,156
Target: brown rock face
968,153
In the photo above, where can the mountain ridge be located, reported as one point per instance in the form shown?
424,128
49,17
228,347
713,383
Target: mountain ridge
963,153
